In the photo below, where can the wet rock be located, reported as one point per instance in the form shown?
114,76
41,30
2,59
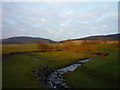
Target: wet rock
41,72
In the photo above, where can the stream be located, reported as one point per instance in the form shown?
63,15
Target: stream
56,79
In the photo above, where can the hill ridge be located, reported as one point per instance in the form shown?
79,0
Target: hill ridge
28,39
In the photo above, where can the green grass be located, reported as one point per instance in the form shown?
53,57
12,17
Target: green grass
98,73
101,72
18,48
17,74
8,48
17,69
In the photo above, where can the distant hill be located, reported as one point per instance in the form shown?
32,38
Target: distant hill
24,40
102,37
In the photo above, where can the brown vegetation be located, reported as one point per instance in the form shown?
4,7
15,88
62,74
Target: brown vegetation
42,46
101,54
71,45
92,42
88,42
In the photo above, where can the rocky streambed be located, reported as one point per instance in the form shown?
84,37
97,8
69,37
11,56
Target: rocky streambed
56,79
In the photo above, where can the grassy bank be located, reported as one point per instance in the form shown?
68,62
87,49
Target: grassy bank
101,72
17,69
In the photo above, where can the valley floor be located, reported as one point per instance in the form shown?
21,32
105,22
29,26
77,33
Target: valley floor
99,73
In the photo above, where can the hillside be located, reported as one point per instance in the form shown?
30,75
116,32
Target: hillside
102,37
24,40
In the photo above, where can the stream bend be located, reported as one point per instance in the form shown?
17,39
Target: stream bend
56,79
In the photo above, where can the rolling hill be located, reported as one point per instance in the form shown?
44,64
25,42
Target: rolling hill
102,37
24,40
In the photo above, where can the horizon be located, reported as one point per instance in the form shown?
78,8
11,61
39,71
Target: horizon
64,39
59,21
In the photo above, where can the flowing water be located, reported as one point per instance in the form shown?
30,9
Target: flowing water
56,79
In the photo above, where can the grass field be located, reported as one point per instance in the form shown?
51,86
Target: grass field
18,48
17,69
101,72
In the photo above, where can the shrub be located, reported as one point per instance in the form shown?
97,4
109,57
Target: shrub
42,46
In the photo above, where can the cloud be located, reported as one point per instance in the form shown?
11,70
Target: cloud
105,26
68,12
62,24
59,21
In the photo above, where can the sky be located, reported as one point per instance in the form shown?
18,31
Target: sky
59,20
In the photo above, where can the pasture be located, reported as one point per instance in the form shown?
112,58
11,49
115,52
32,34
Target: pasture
98,73
101,72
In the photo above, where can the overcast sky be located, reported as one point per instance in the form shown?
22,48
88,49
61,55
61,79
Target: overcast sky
59,21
